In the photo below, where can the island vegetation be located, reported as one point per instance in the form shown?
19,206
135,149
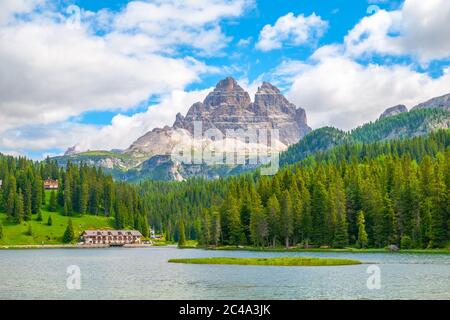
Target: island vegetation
276,261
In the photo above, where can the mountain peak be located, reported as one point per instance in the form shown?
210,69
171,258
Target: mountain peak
228,92
392,111
227,85
268,88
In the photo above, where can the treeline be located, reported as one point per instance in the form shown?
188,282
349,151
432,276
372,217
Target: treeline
82,190
365,195
403,125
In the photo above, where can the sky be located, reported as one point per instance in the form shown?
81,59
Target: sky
98,74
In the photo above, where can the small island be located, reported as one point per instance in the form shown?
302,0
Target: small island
278,261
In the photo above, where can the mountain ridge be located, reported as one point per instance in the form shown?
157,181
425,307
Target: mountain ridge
149,156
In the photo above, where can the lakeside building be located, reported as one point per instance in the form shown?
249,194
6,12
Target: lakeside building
111,237
50,184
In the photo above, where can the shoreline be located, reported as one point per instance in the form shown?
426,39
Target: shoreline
326,250
68,246
252,249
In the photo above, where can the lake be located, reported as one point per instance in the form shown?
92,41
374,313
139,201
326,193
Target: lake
144,273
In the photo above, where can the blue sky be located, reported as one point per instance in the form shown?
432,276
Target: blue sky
130,66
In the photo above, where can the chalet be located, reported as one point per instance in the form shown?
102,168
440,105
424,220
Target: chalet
50,184
111,237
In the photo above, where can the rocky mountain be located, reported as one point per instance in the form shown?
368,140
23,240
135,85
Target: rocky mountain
442,102
392,111
227,109
207,125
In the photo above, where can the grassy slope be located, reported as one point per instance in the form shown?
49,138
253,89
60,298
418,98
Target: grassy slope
14,234
282,261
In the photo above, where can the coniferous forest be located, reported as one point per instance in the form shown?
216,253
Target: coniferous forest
356,194
83,190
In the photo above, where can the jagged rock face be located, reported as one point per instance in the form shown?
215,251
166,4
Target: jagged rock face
158,142
229,107
72,150
392,111
442,102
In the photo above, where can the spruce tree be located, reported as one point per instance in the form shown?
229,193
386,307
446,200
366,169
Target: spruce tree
341,235
18,208
286,221
273,218
69,234
53,203
182,235
30,230
362,234
50,220
1,230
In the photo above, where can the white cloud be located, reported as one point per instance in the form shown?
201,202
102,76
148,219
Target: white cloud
122,131
417,29
171,23
51,72
9,8
291,30
337,91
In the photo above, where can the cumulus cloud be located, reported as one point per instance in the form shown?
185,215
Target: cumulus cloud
122,131
336,90
169,23
291,30
52,71
416,29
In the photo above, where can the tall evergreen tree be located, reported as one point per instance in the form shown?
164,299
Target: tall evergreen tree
69,233
362,234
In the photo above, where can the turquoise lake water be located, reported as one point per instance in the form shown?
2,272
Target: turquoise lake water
144,273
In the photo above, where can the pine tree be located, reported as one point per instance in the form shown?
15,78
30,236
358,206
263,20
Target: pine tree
67,199
1,230
273,218
216,227
84,198
18,208
69,233
27,201
39,216
286,221
236,233
50,220
53,204
36,197
341,235
182,235
258,223
30,230
362,234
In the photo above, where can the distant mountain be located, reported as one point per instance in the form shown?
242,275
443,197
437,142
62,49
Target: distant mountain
442,102
393,111
227,108
410,124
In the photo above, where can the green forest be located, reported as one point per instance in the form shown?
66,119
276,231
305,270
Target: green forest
362,195
83,190
356,194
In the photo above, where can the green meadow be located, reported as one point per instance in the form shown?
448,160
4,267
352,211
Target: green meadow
42,233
